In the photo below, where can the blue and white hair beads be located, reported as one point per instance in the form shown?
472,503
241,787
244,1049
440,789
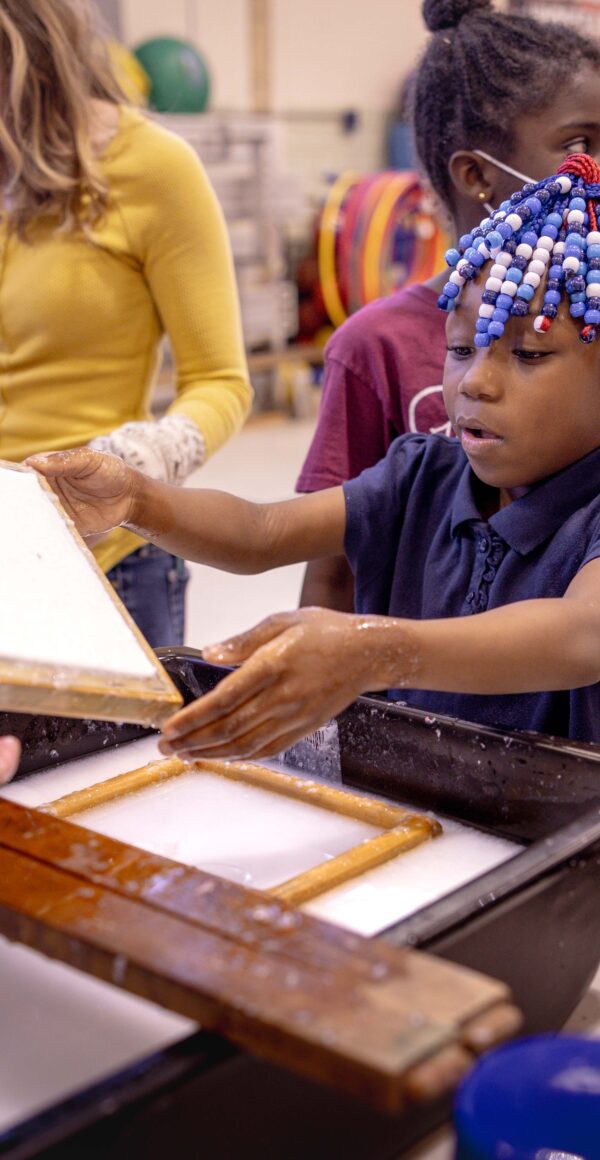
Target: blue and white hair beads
545,233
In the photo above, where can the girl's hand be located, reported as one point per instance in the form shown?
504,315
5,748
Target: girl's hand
10,752
298,669
96,490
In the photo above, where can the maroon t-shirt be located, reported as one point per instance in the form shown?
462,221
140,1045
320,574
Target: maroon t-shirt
383,376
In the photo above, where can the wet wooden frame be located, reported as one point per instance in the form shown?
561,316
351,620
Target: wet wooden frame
391,1027
28,687
400,830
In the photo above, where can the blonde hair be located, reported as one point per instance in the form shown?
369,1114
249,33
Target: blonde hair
53,65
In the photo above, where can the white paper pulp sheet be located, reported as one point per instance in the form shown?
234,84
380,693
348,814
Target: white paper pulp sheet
54,608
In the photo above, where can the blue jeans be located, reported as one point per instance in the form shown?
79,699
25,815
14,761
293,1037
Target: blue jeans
152,583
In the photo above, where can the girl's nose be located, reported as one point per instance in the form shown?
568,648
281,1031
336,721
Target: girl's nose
482,379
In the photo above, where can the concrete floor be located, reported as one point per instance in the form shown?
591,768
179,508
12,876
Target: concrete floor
262,464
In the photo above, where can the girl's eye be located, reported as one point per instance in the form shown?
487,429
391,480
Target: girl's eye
460,351
530,355
578,145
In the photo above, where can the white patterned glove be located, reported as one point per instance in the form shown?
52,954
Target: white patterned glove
167,449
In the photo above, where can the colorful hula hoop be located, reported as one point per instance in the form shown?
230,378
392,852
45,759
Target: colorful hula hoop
349,216
327,246
374,190
395,192
365,218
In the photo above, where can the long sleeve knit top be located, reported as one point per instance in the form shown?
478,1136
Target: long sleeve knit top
82,318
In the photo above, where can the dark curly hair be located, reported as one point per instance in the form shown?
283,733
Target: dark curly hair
480,71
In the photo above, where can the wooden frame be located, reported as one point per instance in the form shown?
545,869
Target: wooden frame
388,1026
33,688
401,830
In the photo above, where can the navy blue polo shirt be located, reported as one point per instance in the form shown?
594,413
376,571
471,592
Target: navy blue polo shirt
419,548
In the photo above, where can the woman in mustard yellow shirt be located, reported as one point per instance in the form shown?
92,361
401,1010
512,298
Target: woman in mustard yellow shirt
110,238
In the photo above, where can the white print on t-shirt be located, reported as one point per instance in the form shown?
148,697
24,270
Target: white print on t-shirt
444,429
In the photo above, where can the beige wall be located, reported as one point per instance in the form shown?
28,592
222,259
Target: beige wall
343,53
326,54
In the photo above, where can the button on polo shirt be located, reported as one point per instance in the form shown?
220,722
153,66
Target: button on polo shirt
419,548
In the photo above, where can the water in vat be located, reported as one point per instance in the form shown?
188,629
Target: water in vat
258,838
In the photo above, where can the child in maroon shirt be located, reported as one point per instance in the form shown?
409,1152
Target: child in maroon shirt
380,381
383,367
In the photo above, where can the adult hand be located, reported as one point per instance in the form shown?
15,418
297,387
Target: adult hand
96,490
298,669
10,752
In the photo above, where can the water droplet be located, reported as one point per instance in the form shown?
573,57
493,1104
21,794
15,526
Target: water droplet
265,913
261,970
119,969
287,920
108,1106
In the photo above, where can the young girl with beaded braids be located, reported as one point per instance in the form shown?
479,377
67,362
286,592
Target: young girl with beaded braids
476,559
496,97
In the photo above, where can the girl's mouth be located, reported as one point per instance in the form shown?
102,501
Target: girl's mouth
478,438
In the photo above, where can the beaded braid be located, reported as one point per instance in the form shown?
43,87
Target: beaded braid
545,230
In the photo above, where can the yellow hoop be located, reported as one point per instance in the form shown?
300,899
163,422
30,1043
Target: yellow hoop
326,250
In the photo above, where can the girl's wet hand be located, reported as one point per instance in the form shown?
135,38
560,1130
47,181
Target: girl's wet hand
298,669
10,752
96,490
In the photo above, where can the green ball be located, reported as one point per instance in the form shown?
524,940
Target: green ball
178,75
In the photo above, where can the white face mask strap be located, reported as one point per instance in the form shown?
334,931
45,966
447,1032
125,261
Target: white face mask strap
507,168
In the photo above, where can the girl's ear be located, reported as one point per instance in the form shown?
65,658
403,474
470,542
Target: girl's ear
473,178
